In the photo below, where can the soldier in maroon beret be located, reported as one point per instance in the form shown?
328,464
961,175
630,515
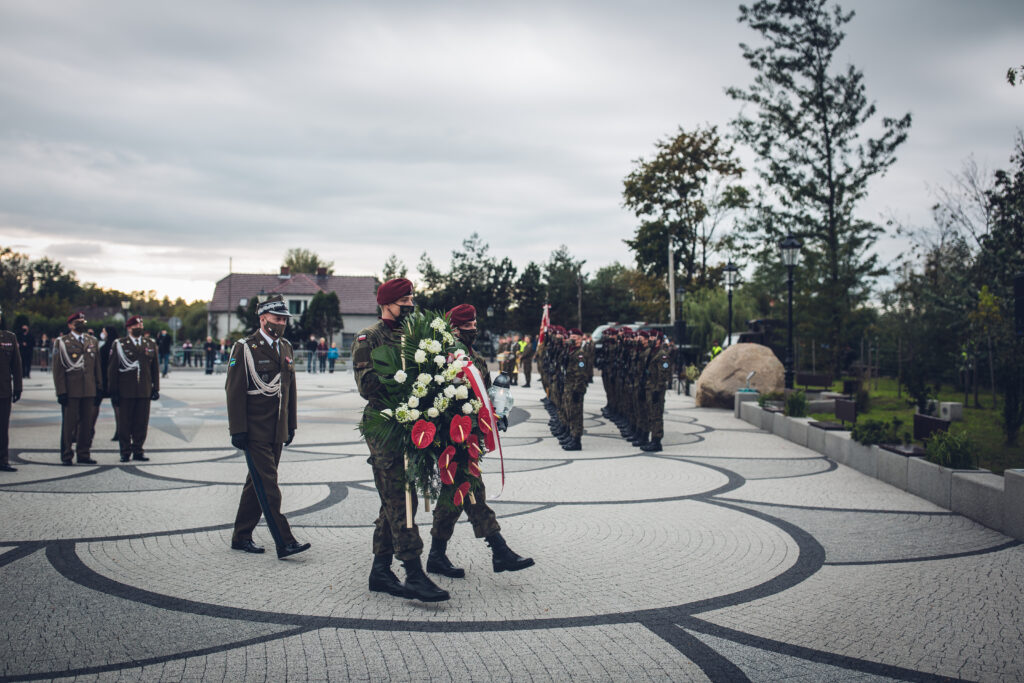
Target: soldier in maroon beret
77,380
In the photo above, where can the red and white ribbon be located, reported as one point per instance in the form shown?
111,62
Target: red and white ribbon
476,382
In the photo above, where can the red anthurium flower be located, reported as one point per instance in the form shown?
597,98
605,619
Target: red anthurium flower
474,469
460,428
473,446
423,433
483,420
460,493
446,465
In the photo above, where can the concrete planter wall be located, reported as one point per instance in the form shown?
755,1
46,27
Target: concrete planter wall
997,502
979,496
891,467
743,397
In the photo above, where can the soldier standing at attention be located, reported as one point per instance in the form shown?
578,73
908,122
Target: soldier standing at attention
482,517
77,379
10,390
133,381
658,377
391,537
261,417
526,359
578,371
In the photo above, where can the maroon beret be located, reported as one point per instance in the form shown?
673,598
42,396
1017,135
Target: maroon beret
134,320
576,331
393,290
463,314
75,316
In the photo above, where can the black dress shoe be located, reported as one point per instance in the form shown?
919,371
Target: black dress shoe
248,547
67,463
8,468
125,459
86,461
293,548
140,457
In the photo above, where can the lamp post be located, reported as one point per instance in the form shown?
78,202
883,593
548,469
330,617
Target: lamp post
790,248
731,274
125,306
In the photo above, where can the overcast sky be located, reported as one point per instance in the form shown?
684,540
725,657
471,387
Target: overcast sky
143,144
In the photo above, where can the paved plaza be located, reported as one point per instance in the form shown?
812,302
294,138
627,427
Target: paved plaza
731,555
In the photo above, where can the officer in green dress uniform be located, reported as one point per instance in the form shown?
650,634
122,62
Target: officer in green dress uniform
482,517
262,418
77,380
391,537
133,382
10,391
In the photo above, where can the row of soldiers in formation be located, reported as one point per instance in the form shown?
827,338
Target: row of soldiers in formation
566,368
636,369
132,382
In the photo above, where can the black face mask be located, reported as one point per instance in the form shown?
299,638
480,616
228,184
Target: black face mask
467,337
78,326
275,330
404,312
135,331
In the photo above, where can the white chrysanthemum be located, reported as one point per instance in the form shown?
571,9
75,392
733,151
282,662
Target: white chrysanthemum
400,376
419,390
424,378
448,339
440,361
438,323
467,408
402,413
423,343
449,391
413,402
477,404
450,372
462,392
420,356
433,412
441,403
434,346
414,415
438,379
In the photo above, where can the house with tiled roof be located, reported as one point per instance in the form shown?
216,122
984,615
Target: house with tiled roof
356,294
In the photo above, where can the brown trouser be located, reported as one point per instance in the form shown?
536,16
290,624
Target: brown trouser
390,535
132,425
5,424
77,428
261,495
480,516
526,367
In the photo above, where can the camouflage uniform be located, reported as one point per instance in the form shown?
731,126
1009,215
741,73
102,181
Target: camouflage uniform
391,536
578,371
659,374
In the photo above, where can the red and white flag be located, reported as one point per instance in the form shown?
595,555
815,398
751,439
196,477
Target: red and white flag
544,322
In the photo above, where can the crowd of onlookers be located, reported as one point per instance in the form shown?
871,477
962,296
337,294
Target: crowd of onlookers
208,354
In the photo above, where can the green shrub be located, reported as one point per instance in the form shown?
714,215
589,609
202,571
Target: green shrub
870,432
949,449
692,373
796,404
770,397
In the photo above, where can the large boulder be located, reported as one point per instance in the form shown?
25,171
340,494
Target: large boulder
727,373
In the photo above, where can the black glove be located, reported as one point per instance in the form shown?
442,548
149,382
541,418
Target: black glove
503,424
62,399
97,400
291,437
115,400
240,440
15,396
155,396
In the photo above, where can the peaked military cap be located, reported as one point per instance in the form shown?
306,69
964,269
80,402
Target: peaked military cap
274,305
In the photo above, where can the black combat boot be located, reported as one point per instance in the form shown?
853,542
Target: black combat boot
504,559
653,446
419,586
640,439
573,445
438,562
382,579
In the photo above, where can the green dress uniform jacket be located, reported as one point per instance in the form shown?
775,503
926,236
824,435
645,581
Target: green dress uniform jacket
76,366
139,381
10,365
268,419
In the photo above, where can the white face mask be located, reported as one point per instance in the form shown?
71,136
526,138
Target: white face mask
103,336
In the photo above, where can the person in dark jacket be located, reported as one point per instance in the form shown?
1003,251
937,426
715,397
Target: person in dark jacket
163,345
26,345
107,336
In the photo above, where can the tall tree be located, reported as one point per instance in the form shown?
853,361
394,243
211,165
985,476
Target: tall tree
681,195
528,299
805,123
611,291
323,315
393,267
306,261
564,276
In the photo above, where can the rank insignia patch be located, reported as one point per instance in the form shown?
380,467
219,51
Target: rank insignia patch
231,363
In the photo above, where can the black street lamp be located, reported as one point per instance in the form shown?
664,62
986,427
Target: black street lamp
731,276
790,248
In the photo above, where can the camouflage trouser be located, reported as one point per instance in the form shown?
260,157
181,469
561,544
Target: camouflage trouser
480,516
607,383
656,414
574,412
391,537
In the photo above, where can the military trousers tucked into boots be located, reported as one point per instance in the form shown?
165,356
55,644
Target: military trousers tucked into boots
656,414
5,424
390,535
132,425
480,516
261,496
77,428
